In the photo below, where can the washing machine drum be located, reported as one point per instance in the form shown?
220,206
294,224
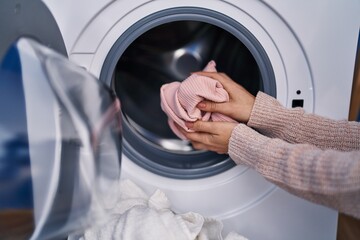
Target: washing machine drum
60,144
170,52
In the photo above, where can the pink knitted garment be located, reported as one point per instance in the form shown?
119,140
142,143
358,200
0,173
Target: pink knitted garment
179,100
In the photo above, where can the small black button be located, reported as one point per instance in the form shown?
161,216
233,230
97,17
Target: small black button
298,103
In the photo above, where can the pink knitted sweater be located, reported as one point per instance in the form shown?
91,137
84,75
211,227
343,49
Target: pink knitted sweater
323,163
179,100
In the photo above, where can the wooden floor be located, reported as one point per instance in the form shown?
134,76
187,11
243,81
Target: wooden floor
16,224
348,228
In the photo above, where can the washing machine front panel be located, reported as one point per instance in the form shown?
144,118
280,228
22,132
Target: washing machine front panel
239,196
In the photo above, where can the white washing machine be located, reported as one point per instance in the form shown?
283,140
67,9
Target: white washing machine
301,52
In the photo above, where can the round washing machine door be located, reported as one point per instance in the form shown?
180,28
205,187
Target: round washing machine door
60,131
166,47
60,144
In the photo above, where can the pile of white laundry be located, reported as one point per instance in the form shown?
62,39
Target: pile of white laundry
138,216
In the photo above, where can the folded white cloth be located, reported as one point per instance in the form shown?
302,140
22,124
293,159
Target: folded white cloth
140,217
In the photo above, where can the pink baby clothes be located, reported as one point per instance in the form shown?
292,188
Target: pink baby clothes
179,100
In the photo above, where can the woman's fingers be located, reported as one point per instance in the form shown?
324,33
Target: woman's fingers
213,136
209,106
240,103
198,136
200,126
201,146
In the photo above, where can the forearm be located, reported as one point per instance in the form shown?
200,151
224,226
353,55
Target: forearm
294,125
327,177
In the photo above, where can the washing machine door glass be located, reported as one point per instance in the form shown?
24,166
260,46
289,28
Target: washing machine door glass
60,144
166,47
169,53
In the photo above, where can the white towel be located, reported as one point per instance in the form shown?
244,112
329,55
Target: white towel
140,217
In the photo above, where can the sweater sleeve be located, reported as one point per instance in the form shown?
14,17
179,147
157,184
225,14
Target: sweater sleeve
295,126
327,177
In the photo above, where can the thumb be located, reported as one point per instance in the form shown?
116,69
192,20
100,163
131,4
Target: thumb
200,126
209,106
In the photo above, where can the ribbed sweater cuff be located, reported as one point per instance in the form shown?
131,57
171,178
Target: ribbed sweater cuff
294,125
268,116
245,145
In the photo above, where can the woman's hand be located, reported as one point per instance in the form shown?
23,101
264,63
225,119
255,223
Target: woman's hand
241,101
212,136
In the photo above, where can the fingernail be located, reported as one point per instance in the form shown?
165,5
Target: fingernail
202,105
189,125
